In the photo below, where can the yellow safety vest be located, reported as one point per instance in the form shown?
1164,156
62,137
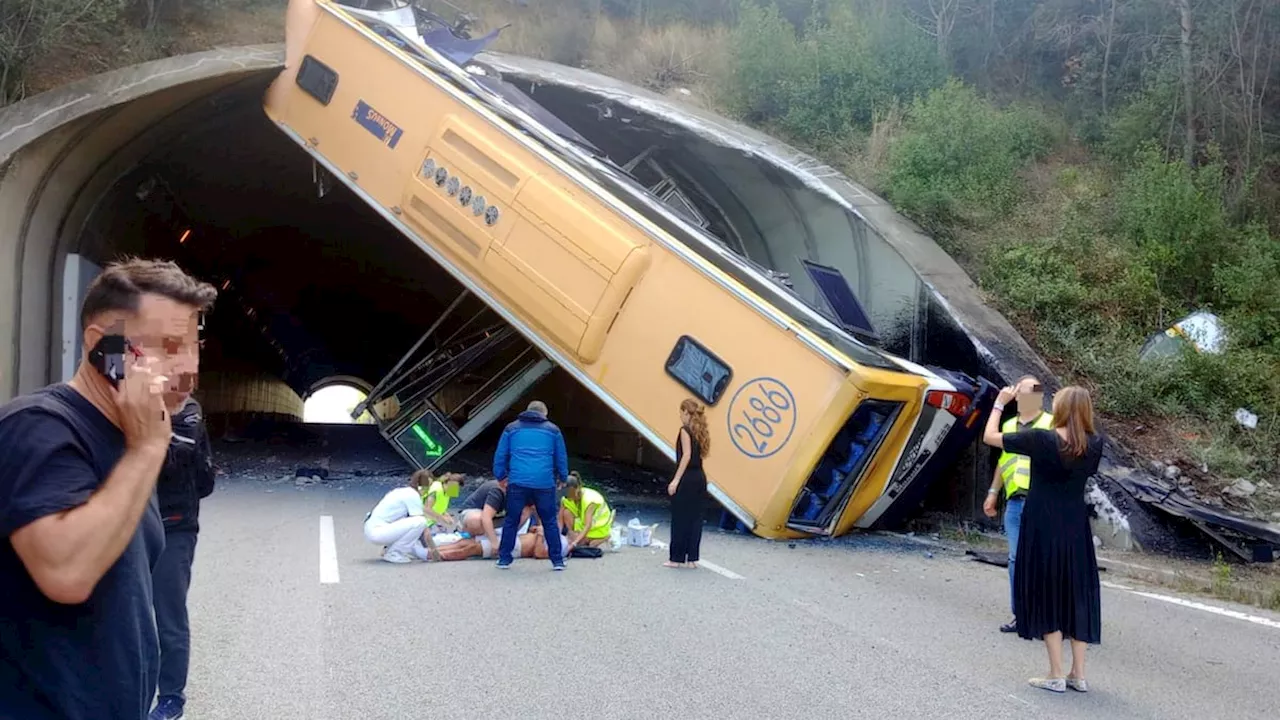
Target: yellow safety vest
1015,470
441,505
600,523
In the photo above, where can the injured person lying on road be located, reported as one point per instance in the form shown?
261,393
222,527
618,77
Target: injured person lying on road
530,543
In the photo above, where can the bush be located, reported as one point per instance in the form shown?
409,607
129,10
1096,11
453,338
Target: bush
1246,288
660,57
31,28
1175,217
830,80
960,157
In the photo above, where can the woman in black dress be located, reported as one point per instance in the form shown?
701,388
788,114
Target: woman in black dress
1056,589
688,490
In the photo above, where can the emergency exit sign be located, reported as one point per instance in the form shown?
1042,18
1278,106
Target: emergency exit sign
428,438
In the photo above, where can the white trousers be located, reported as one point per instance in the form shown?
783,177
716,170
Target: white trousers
398,536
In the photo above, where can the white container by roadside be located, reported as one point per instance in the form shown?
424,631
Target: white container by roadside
639,535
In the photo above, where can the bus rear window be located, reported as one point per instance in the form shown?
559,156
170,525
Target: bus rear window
837,474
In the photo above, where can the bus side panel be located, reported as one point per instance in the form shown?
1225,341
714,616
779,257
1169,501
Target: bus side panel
768,364
435,214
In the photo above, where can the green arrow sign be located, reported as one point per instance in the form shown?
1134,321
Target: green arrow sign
433,448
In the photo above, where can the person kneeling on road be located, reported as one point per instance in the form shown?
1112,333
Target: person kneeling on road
584,514
480,508
399,521
436,493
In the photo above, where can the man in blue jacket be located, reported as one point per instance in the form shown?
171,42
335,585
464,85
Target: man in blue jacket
532,458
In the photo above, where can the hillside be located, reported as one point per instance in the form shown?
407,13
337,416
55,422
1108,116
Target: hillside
1100,167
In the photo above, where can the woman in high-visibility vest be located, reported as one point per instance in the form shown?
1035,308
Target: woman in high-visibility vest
436,494
584,514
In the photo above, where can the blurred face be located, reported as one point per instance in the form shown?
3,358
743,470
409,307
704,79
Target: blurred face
167,334
1030,394
574,493
684,418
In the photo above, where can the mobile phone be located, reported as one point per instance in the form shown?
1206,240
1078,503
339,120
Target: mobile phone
108,357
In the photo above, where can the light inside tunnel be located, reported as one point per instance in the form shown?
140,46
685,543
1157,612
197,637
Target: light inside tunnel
333,405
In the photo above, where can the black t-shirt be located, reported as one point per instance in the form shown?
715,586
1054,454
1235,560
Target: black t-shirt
489,493
98,659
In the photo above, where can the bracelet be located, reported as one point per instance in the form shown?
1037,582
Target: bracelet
997,406
991,491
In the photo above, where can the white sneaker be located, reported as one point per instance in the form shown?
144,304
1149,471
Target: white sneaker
397,557
420,551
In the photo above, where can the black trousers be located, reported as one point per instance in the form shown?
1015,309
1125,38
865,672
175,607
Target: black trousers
170,581
686,522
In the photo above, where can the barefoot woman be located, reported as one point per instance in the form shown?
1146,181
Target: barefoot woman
688,490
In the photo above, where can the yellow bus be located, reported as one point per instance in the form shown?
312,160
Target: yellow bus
814,432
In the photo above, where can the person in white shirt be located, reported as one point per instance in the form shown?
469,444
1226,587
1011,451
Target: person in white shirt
398,522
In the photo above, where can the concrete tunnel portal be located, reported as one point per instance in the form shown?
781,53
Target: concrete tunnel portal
177,159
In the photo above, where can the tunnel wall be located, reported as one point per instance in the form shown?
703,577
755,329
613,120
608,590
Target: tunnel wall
58,152
236,394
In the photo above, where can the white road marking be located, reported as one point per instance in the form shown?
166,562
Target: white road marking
722,571
328,552
706,564
1266,622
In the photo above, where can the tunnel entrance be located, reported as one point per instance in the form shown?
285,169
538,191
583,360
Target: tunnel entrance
319,299
333,404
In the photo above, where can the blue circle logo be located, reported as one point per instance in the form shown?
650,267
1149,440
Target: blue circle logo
762,417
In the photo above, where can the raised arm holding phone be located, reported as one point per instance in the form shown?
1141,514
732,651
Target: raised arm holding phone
80,525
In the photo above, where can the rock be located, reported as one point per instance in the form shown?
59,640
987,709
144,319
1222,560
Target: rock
1264,485
1242,489
1275,516
1158,467
1172,472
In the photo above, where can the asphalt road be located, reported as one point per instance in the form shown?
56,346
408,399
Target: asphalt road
872,627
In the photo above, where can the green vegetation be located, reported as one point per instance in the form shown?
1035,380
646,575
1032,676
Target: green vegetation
1100,167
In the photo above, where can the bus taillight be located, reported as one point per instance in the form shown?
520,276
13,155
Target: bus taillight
955,403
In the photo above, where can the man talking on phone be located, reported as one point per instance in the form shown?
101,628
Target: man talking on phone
80,526
1013,473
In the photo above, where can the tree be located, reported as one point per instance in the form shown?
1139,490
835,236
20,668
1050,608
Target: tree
29,28
1188,82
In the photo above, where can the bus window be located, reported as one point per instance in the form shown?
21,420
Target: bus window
696,368
833,480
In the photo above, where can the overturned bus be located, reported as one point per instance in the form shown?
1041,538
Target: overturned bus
620,274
